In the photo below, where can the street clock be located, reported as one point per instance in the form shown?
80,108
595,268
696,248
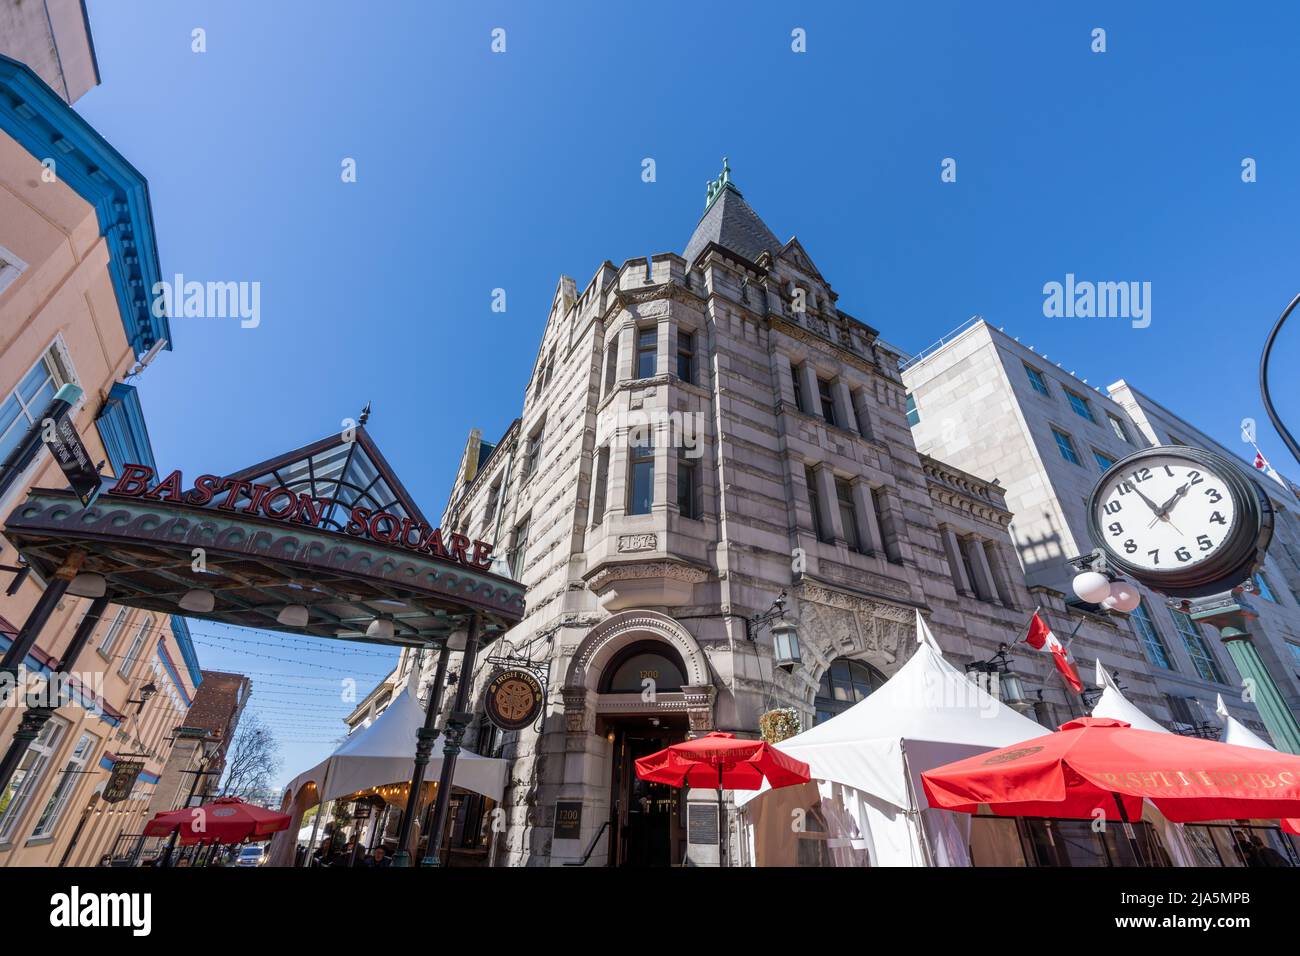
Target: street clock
1183,521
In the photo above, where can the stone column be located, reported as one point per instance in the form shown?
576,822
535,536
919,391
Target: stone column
868,527
999,569
811,397
953,548
845,415
862,410
830,503
984,587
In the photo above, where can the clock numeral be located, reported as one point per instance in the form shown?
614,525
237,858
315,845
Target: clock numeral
1142,474
1182,554
1196,477
1112,507
1115,528
1125,488
1169,471
1155,556
1218,518
1213,495
1204,541
1130,547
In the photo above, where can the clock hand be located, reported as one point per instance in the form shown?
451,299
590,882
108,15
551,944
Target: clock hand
1155,509
1162,514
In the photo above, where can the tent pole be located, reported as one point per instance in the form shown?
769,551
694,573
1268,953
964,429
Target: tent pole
1128,830
320,811
914,811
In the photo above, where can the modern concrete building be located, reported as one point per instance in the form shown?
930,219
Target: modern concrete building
992,405
701,433
53,38
76,255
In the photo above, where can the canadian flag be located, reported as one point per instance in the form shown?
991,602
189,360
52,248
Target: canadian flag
1260,461
1041,638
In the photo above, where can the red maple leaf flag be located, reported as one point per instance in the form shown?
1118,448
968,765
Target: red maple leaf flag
1041,638
1260,461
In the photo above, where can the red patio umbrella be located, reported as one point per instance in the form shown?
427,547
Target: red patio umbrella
723,762
1096,763
224,820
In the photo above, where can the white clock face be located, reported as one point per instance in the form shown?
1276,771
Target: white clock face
1165,513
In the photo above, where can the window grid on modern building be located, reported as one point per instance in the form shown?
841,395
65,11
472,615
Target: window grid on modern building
1036,380
1197,649
913,416
1157,653
1065,444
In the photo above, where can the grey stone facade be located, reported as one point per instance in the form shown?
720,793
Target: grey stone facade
555,494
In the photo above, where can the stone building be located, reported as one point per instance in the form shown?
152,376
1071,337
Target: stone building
985,401
702,432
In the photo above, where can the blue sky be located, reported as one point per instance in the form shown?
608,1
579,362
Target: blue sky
478,171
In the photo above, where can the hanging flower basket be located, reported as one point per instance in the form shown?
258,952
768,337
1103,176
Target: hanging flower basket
778,725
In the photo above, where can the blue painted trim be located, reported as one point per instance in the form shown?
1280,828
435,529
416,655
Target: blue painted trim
83,700
181,629
39,121
170,668
145,776
121,426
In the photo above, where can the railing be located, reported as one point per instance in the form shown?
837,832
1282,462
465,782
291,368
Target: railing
920,356
592,846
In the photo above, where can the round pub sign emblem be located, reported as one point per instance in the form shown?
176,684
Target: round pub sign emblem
514,699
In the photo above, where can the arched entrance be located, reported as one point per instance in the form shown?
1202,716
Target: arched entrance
637,683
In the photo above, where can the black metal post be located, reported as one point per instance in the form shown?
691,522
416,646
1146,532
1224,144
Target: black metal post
1128,831
722,823
425,737
453,734
23,453
38,713
1286,436
194,788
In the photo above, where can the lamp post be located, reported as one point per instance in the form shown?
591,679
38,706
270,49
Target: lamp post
453,734
999,680
425,737
199,773
785,633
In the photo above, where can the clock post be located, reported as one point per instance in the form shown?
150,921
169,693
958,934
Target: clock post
1230,615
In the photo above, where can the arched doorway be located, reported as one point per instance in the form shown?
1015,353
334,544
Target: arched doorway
844,683
637,683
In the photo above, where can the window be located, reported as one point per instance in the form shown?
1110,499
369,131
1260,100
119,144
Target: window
1118,428
66,786
1295,653
600,486
1065,444
796,379
550,366
11,267
1157,653
114,632
29,776
1080,405
844,684
641,477
644,661
1036,380
848,513
534,452
827,402
1103,460
686,356
26,402
913,416
1265,591
611,365
137,643
688,485
1197,649
814,502
518,549
647,352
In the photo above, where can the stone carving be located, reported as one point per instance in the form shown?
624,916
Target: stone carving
637,542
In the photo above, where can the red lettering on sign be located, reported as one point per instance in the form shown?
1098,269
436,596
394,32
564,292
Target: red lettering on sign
280,514
134,481
312,510
482,552
255,498
235,488
203,489
358,521
169,486
458,545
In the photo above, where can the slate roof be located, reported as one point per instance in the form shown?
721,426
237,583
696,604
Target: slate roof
731,223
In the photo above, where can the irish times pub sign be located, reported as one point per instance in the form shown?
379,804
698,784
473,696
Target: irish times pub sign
293,507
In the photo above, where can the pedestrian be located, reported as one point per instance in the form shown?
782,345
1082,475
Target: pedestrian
379,858
1265,855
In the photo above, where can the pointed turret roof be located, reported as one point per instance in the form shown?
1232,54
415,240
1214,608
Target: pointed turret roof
730,222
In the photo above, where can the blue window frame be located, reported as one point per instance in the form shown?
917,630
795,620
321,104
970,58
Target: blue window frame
1036,380
1197,649
1066,446
913,416
1103,460
1080,406
1157,653
1265,591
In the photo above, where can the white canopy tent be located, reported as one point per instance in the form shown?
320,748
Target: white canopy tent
1116,706
1235,732
383,753
866,765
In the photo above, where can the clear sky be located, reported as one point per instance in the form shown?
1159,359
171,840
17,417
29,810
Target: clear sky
479,170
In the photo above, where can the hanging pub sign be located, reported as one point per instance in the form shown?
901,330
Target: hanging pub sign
361,810
65,445
292,507
514,698
121,780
